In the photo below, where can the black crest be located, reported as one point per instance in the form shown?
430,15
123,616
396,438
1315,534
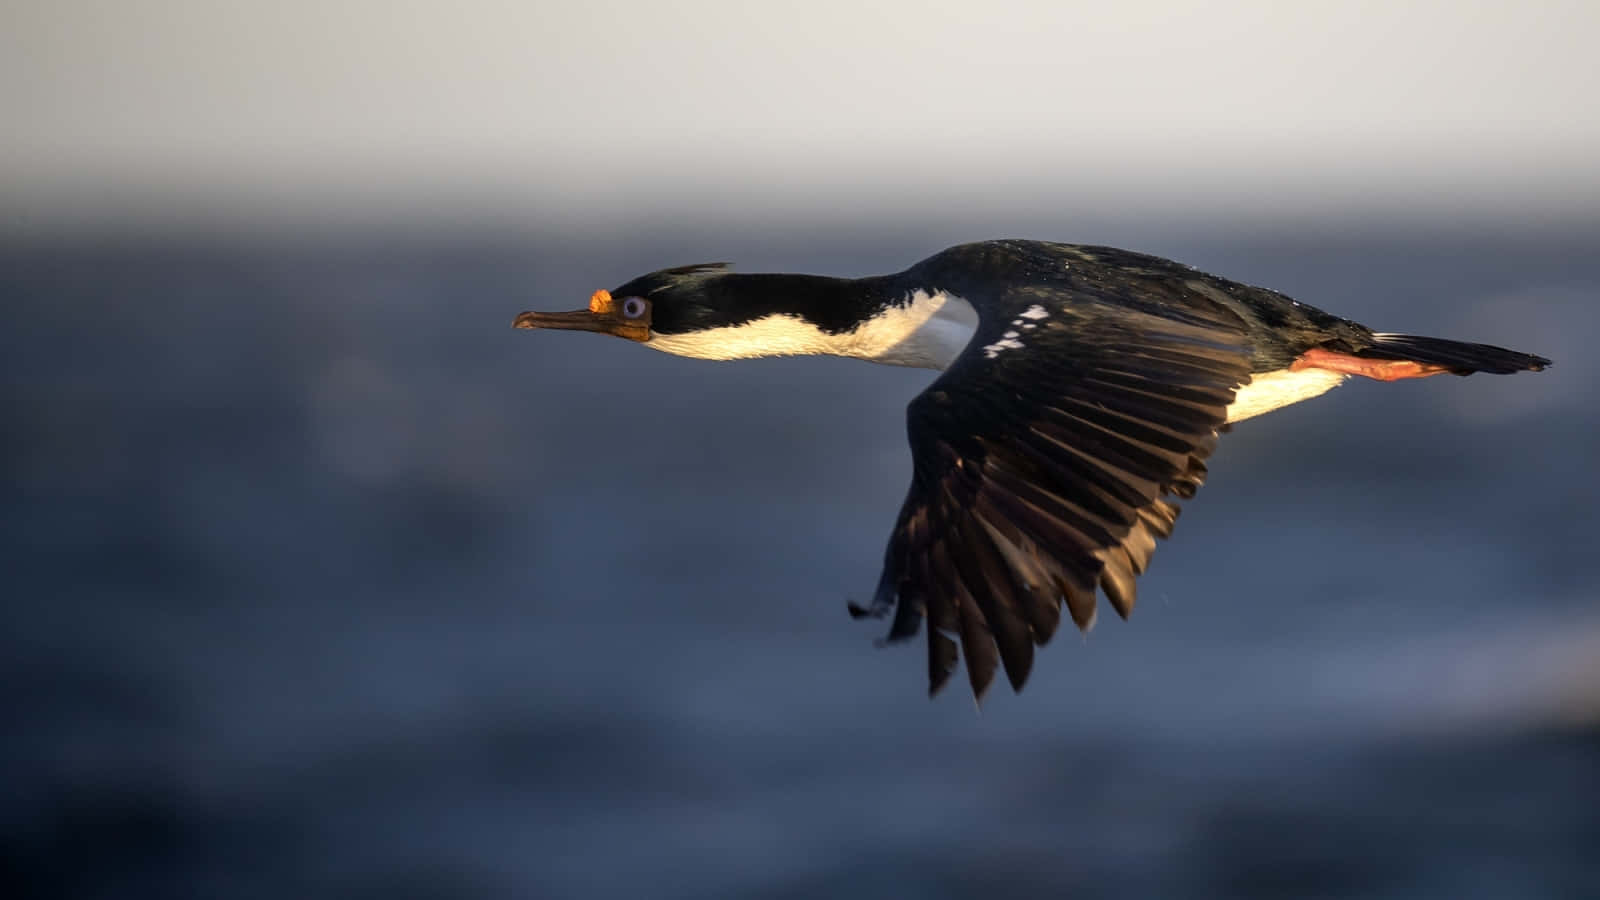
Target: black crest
671,280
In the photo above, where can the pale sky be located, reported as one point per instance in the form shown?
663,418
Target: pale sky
287,105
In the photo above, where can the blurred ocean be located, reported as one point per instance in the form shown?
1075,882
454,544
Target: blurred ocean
325,582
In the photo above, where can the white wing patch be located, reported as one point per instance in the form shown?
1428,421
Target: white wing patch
1008,341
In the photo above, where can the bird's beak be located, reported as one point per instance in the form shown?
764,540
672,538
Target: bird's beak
603,316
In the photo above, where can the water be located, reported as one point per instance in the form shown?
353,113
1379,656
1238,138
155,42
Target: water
326,582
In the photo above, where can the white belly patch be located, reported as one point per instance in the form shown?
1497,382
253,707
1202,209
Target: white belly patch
1274,390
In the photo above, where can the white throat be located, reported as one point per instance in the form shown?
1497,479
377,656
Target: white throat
928,330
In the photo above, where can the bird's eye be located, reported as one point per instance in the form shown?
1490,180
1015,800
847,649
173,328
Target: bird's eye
633,307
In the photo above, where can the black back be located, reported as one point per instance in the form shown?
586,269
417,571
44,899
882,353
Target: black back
1278,329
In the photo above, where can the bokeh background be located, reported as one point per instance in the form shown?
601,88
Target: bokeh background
321,581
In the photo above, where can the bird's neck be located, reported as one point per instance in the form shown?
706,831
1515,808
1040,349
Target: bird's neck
919,327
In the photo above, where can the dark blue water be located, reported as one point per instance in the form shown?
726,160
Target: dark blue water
323,581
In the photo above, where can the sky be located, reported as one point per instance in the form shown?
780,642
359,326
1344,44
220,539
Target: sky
290,109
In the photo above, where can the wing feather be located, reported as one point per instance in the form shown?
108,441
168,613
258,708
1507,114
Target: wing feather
1045,473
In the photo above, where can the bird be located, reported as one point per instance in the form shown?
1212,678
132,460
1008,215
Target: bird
1082,390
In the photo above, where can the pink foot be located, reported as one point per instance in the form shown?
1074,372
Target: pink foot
1379,369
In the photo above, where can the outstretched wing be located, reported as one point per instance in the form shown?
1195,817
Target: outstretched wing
1045,458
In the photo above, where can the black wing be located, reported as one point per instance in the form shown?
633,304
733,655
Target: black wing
1043,459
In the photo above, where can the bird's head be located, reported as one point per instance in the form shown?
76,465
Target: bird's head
670,301
706,312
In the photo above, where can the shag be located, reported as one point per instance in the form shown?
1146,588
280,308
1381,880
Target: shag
1083,389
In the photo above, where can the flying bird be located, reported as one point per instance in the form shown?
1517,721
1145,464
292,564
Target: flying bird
1083,389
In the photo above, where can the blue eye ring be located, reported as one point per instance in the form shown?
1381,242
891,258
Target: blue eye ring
633,307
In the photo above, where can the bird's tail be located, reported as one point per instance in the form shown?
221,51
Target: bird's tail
1458,357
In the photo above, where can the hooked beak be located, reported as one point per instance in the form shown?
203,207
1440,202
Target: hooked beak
602,316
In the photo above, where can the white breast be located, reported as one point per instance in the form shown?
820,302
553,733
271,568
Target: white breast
1275,390
928,331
